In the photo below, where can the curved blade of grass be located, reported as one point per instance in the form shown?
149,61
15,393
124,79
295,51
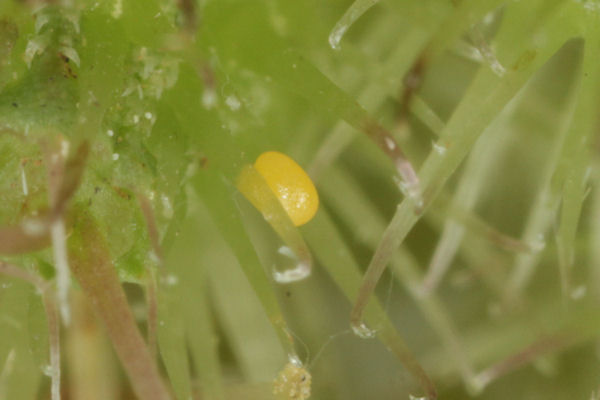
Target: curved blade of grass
487,96
187,280
458,22
371,98
475,225
464,16
363,219
334,255
171,340
575,162
223,155
485,263
171,333
188,262
544,209
246,326
353,13
505,350
217,196
398,64
449,30
485,152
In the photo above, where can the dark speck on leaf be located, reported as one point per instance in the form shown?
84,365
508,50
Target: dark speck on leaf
15,105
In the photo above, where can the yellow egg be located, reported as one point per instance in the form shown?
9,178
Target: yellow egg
290,184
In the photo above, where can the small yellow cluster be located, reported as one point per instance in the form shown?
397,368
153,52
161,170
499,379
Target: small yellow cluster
293,382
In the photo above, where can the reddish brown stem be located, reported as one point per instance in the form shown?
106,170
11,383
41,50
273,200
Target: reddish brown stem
148,213
92,267
544,346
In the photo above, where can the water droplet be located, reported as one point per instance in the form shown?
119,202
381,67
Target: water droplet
362,331
294,360
47,370
336,36
539,243
117,10
411,191
579,292
167,207
389,142
24,183
64,148
233,102
209,98
154,257
33,227
171,280
301,271
439,148
286,251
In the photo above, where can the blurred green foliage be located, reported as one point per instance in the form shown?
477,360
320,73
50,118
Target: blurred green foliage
491,291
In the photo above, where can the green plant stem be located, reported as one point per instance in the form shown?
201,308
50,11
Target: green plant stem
484,100
329,249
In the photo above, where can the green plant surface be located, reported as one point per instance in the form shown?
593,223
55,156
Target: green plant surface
452,144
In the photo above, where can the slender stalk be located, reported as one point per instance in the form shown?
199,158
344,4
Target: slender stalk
574,165
51,319
336,257
353,13
151,281
476,111
152,322
480,161
544,346
92,267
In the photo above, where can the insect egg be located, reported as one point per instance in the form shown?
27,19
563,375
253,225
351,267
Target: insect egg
291,185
